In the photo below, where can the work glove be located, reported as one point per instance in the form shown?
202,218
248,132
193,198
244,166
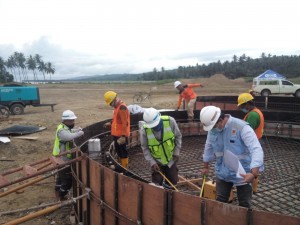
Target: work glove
107,125
175,158
121,140
155,167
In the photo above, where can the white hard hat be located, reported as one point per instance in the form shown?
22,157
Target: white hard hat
68,115
151,117
176,83
209,115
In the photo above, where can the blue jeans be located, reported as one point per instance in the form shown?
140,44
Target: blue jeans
244,192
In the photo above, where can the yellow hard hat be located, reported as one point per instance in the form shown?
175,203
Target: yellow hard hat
109,96
243,98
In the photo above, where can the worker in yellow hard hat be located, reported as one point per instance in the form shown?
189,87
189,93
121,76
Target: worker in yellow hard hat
120,125
255,118
253,115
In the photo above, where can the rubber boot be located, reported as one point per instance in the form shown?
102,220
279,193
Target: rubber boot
124,162
255,185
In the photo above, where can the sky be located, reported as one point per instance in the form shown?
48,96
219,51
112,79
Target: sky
97,37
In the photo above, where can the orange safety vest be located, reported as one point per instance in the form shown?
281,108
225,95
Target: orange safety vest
117,128
260,129
187,94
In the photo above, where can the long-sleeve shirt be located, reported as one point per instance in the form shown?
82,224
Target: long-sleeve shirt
187,93
67,136
248,138
158,136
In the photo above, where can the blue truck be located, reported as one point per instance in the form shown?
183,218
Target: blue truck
17,97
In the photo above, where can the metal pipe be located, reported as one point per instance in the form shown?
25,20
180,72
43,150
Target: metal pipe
41,172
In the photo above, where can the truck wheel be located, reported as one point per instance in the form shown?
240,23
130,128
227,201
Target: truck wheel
265,93
297,94
17,109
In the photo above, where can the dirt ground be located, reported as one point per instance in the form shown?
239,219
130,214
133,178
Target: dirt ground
86,100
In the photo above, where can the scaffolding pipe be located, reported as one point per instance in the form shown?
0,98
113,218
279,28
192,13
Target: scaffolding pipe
31,182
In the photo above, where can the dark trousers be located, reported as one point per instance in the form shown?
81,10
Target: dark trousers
63,182
244,193
170,173
121,149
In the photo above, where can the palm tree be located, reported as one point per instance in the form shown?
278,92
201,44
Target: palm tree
11,64
31,65
49,68
40,64
20,59
2,69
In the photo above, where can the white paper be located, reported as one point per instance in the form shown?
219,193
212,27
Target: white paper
4,139
232,162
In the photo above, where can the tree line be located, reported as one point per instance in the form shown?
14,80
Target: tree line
18,66
239,66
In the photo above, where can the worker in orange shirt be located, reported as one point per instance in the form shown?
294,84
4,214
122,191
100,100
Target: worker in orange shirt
187,93
120,126
255,118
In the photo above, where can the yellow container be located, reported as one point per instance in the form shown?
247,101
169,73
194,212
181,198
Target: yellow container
210,191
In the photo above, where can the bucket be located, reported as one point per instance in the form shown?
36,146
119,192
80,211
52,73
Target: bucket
94,148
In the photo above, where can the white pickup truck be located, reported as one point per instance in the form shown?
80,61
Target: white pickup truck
275,86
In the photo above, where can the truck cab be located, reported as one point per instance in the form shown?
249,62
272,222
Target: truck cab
268,87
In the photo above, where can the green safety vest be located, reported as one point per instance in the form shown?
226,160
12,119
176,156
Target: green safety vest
162,151
57,143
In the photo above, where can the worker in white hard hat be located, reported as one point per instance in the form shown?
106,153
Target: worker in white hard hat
161,144
187,93
119,126
64,136
238,153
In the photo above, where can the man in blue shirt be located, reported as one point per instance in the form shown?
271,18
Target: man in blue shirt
238,153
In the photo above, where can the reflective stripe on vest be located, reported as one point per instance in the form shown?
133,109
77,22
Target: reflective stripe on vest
260,129
116,126
162,151
57,143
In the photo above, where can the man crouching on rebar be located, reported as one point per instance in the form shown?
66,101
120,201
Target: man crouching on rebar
65,134
161,143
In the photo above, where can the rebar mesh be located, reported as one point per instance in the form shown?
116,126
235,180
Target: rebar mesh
279,184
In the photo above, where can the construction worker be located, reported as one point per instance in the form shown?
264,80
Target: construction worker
120,126
161,143
238,153
255,118
65,134
187,93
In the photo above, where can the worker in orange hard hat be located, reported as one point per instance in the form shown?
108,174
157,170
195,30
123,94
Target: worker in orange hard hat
187,93
120,126
255,118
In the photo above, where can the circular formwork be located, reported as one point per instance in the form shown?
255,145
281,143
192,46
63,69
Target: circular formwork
279,184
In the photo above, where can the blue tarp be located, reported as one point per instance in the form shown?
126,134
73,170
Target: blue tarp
269,75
